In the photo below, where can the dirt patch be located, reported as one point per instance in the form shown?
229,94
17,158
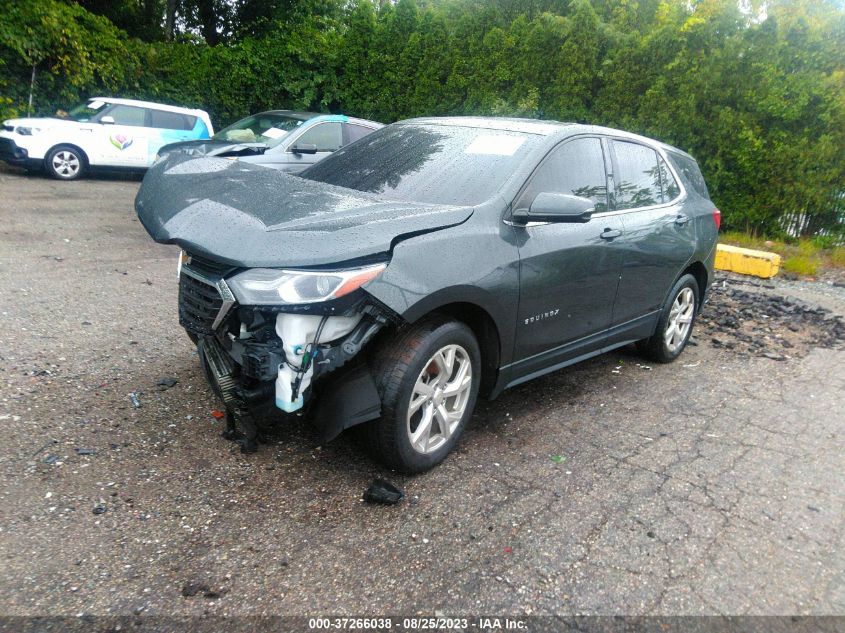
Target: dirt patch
759,324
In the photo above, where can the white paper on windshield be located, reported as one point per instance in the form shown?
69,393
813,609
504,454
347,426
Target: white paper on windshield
273,132
495,145
96,105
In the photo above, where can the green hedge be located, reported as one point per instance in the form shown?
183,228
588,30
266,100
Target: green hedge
758,99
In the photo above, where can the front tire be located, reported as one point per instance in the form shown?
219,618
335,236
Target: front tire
675,324
65,162
428,379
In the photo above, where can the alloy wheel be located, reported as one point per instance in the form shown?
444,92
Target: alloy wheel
66,164
439,399
680,319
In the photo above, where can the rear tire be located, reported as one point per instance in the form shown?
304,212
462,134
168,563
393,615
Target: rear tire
675,324
428,379
65,162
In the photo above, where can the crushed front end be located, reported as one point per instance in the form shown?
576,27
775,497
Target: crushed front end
286,338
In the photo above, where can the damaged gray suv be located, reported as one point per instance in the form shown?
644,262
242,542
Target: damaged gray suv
432,261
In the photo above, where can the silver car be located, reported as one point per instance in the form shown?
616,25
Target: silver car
283,139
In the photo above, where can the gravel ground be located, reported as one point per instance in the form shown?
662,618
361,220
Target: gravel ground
710,486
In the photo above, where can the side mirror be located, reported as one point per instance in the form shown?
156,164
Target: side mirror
304,148
107,120
556,207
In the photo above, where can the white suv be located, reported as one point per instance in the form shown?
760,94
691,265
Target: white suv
104,132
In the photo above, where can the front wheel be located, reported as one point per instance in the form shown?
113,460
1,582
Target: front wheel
675,324
428,379
65,163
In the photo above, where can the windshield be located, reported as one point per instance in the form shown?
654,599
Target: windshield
84,111
267,128
430,163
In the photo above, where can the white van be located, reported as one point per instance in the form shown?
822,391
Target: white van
103,132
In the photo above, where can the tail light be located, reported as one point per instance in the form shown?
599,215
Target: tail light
717,218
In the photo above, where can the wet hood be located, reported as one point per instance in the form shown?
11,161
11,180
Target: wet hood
252,216
210,147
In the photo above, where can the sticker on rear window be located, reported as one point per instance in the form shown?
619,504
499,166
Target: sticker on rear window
495,145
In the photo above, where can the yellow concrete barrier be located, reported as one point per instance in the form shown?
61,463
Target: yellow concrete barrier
746,261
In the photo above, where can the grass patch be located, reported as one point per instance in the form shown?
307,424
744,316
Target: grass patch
801,265
837,257
806,256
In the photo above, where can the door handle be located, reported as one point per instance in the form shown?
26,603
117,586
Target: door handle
609,234
681,219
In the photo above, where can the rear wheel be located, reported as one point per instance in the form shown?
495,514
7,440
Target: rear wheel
65,162
428,380
675,324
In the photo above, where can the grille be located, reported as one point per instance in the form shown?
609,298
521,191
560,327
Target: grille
199,304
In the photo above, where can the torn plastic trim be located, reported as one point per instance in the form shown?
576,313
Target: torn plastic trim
349,398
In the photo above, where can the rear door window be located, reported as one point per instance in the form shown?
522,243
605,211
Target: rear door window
127,115
355,132
575,168
636,176
171,120
326,136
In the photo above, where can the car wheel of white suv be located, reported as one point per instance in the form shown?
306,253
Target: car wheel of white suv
65,162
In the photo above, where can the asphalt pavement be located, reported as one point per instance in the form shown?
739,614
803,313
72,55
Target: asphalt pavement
713,485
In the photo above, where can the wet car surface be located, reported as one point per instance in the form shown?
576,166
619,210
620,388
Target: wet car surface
712,485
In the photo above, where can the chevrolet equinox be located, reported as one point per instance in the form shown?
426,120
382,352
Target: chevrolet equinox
432,261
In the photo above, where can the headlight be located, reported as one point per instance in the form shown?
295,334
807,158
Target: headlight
265,286
27,131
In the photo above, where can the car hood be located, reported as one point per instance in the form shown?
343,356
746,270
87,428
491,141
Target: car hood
251,216
211,147
39,122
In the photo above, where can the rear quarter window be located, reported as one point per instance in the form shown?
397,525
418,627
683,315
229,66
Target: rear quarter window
171,120
689,172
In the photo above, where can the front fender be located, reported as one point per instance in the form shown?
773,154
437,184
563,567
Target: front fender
476,263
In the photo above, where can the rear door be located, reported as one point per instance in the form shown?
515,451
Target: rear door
569,272
659,239
168,127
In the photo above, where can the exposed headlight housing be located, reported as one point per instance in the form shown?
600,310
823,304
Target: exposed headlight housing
267,286
27,130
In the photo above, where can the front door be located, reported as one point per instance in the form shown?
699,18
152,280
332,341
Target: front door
326,136
569,272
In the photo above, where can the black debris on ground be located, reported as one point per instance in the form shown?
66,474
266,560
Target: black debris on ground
383,492
760,324
166,383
